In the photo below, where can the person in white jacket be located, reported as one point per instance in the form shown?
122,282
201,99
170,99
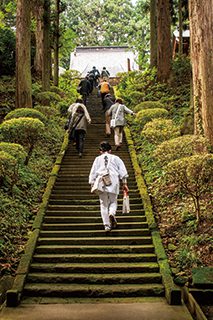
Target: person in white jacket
77,126
117,112
109,194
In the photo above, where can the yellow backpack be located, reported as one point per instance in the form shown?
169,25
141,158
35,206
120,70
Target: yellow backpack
104,87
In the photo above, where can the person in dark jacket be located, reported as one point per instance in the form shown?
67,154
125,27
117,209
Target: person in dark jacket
108,101
105,73
79,119
90,76
84,89
96,74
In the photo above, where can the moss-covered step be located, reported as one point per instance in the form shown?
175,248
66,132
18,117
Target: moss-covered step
81,249
122,278
93,233
91,258
82,195
91,226
90,213
85,200
99,268
78,219
107,240
76,290
202,277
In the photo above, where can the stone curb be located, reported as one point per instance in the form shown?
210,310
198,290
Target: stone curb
13,295
172,292
192,305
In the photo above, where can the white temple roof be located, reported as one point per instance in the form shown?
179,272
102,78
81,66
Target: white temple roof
114,58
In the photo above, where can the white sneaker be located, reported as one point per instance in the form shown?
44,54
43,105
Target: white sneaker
113,221
107,228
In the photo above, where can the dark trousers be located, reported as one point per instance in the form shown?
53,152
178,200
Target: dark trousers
79,138
84,97
102,98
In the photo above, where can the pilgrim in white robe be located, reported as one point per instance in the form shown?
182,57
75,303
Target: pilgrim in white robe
117,172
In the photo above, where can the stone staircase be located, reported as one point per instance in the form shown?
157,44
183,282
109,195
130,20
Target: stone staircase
74,257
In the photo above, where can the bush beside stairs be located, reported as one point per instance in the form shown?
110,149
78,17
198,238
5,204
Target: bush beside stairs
73,257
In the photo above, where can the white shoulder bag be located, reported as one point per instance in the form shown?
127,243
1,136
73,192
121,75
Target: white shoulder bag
112,121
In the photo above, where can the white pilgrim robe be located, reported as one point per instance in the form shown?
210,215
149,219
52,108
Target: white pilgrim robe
117,171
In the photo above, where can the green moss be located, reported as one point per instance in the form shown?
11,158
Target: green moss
140,182
202,277
173,294
55,170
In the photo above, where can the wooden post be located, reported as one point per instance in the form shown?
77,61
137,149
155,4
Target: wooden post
128,64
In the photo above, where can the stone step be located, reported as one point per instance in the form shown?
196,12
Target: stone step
109,239
77,188
86,202
78,205
84,169
90,157
85,213
88,211
98,220
71,185
98,291
69,164
95,249
63,207
124,278
94,233
83,178
93,258
93,268
86,193
91,226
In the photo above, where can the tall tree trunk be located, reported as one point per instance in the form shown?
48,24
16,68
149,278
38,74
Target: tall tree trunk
180,28
153,33
164,40
39,33
46,61
56,42
23,55
201,30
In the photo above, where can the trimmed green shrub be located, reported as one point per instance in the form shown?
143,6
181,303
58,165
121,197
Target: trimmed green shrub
26,113
159,130
57,90
47,98
136,96
192,175
180,147
144,116
15,150
148,105
68,82
63,106
47,111
25,131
